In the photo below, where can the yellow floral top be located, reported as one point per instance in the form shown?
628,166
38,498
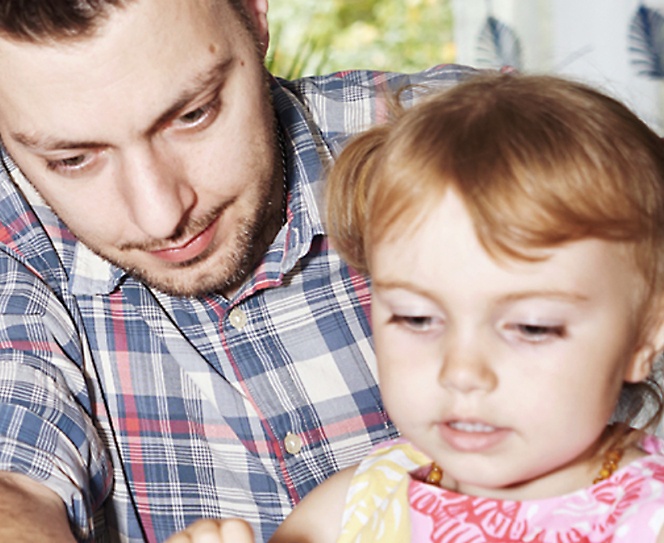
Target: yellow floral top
377,501
388,501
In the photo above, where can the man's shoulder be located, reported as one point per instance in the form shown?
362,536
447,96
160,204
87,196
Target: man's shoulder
353,84
347,102
26,238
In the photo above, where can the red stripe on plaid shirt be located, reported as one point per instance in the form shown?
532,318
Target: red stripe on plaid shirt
130,423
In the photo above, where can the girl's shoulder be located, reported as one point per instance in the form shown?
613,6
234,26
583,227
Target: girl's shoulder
398,453
377,500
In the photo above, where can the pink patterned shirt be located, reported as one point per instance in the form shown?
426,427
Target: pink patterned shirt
386,503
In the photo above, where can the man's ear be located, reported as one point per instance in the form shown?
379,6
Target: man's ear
257,11
652,345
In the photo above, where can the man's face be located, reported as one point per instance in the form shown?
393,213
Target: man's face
153,140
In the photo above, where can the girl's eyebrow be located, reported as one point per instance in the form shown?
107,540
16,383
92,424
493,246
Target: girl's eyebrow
389,284
550,294
568,296
214,76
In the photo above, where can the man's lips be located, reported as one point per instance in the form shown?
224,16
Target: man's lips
190,250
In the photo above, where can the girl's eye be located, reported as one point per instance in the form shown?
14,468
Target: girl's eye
413,323
537,332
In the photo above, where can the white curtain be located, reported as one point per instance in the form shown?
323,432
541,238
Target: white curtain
616,45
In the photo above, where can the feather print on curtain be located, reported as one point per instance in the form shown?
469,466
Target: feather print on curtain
646,42
498,46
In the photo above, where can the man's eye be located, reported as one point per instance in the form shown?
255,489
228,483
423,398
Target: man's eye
201,116
69,164
194,116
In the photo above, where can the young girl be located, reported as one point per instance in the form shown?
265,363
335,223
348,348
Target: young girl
513,228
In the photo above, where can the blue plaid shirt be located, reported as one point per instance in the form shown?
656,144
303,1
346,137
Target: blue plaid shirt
146,412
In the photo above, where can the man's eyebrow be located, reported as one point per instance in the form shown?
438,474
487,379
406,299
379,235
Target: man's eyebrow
47,143
211,78
207,80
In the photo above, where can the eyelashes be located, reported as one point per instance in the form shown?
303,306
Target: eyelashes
526,332
200,117
71,164
415,323
538,333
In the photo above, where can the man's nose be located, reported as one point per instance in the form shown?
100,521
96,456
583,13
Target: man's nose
158,194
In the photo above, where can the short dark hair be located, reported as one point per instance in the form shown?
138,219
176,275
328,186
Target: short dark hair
44,20
48,20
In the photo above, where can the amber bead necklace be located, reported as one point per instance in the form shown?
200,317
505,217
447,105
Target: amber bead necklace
612,458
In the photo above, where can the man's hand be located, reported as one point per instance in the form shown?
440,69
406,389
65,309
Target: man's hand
215,531
31,512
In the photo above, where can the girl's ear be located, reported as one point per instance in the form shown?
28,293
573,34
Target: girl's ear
651,347
640,366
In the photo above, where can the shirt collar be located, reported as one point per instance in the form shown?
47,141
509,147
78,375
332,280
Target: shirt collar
308,157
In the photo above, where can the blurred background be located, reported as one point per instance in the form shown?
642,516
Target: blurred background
617,45
322,36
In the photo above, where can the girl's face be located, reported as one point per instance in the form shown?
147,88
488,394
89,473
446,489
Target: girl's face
504,373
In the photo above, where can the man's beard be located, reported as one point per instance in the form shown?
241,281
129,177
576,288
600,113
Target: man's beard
250,240
225,277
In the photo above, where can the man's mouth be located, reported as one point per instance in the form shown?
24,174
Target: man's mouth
191,249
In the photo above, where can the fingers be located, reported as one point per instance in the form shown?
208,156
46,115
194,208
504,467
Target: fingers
215,531
237,530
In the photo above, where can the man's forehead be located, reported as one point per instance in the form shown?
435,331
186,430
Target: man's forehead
131,65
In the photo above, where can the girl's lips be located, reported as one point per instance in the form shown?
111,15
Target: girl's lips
471,435
189,250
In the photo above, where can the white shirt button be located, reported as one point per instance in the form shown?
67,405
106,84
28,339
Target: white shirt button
292,443
238,318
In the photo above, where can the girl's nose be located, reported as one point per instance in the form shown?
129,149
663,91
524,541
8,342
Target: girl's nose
466,369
